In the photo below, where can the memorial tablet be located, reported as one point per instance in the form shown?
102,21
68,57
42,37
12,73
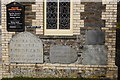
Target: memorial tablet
26,48
94,37
95,55
62,54
15,17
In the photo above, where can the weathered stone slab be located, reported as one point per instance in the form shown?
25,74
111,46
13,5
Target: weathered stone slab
26,48
62,54
94,37
94,55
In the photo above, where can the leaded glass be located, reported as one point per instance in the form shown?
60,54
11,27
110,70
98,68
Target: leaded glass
64,15
51,14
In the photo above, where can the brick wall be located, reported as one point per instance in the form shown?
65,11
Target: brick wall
34,17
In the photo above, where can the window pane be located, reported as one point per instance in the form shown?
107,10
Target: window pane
64,15
51,14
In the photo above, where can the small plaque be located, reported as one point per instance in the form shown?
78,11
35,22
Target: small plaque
94,37
15,17
62,54
95,55
26,48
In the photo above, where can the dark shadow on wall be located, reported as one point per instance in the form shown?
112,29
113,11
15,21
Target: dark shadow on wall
117,62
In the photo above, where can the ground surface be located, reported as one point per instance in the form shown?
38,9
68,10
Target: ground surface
50,79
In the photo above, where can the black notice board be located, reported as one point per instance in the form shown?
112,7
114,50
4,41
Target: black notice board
15,17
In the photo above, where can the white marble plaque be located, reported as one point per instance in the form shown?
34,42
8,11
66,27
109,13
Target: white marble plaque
26,48
62,54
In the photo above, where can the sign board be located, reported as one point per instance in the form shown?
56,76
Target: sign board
15,17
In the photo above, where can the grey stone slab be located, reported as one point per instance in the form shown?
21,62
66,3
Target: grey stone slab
94,55
62,54
94,37
26,48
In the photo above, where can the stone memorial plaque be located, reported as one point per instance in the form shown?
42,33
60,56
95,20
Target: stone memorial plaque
94,55
26,48
62,54
94,37
15,17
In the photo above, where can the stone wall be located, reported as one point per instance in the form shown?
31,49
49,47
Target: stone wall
100,38
92,15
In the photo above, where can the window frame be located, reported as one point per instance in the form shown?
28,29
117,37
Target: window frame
59,32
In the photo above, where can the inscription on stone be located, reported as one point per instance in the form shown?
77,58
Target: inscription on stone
62,54
95,55
26,48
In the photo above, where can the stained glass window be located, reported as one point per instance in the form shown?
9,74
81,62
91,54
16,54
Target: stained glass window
64,15
58,14
51,15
